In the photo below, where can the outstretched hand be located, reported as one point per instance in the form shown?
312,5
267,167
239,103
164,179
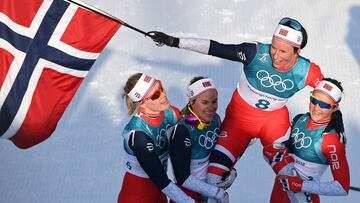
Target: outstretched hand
161,38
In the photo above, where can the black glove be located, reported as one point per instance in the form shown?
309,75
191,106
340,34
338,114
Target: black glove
161,38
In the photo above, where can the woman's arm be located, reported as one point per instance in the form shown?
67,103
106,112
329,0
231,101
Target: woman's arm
244,52
143,148
334,151
180,153
314,75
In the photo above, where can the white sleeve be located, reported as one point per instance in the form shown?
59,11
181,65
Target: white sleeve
331,188
176,194
196,185
198,45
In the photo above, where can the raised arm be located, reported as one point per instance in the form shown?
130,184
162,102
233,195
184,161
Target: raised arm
244,52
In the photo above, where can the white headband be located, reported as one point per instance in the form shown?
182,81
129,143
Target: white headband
199,87
329,89
289,35
141,88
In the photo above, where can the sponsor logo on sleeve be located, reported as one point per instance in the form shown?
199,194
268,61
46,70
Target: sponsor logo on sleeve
334,157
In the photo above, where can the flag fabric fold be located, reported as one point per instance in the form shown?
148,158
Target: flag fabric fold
47,48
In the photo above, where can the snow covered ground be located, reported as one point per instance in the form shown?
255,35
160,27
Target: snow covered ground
81,162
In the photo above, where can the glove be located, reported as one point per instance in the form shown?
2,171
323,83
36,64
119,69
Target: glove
161,38
277,156
227,179
222,196
212,179
290,183
274,153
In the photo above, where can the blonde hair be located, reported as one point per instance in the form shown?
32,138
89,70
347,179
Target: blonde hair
130,83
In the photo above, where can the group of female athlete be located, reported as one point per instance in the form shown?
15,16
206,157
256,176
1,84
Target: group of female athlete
203,149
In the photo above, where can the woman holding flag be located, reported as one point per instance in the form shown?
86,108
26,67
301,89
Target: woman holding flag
272,73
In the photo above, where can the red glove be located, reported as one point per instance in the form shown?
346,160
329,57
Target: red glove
290,183
274,153
277,156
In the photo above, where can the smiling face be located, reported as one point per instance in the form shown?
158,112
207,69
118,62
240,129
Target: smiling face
282,54
205,105
317,113
156,100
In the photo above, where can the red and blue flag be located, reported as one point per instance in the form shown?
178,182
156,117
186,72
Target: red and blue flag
46,49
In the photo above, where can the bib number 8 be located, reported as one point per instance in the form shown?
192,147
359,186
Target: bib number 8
262,104
128,165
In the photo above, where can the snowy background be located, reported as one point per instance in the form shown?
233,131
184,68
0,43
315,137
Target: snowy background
81,162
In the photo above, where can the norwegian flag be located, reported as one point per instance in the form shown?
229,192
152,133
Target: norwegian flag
46,49
327,87
283,32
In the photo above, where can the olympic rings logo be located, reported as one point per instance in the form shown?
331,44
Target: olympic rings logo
161,139
300,141
275,81
209,139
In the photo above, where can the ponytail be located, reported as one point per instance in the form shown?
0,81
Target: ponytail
131,106
130,83
337,124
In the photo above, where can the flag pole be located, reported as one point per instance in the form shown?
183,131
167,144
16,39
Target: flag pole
355,188
103,13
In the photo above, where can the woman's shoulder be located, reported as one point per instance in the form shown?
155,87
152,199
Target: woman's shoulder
176,111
